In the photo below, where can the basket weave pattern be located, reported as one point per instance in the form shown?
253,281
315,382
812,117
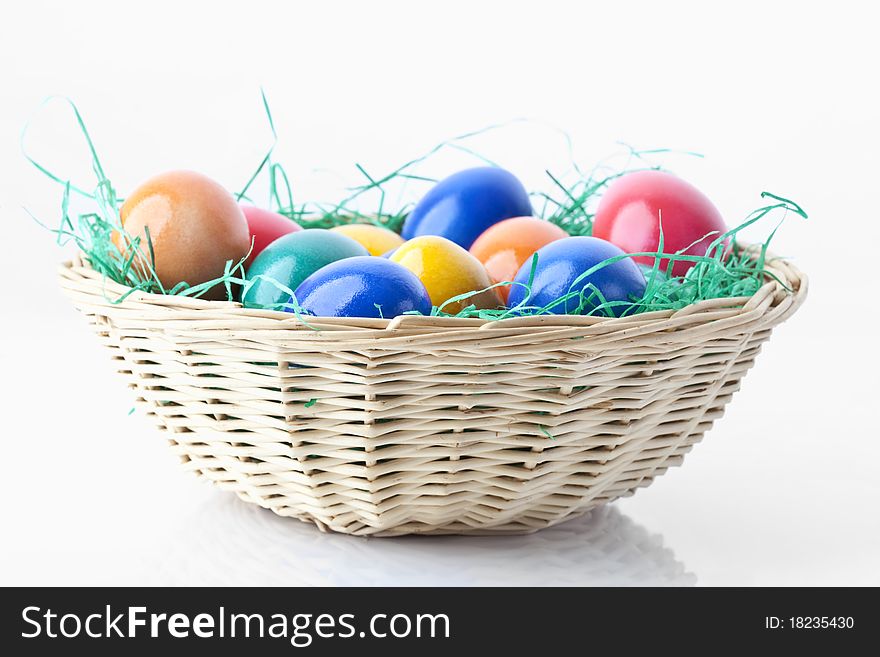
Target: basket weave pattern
430,425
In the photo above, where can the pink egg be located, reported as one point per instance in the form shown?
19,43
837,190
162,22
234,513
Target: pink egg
265,227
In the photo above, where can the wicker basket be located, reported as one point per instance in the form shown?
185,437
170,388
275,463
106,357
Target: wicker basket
431,425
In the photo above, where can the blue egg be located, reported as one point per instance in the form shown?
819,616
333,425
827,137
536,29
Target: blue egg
466,203
363,286
562,262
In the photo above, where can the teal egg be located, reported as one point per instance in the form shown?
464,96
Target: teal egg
291,259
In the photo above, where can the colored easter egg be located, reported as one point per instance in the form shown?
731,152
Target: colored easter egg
363,286
195,227
447,270
505,246
389,252
629,215
265,227
466,203
291,259
563,262
375,239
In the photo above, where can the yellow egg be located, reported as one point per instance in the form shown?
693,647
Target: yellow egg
447,270
375,239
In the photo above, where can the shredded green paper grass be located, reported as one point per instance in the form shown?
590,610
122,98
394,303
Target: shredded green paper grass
130,260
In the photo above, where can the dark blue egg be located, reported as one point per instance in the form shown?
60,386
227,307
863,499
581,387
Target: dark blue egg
466,203
562,262
363,286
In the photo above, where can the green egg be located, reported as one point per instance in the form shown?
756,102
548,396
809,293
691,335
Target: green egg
291,259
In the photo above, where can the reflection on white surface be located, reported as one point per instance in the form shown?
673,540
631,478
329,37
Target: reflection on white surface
230,542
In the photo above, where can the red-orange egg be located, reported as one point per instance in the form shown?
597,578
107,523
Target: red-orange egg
505,246
195,226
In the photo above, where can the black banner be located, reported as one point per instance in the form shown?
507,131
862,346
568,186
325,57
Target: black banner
105,621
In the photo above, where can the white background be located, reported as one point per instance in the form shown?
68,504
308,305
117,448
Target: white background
779,96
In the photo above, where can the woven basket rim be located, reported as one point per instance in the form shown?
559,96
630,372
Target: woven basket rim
785,294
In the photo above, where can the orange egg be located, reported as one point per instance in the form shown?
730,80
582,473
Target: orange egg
195,226
505,246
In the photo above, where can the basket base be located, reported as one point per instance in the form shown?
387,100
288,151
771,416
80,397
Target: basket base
520,525
518,528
